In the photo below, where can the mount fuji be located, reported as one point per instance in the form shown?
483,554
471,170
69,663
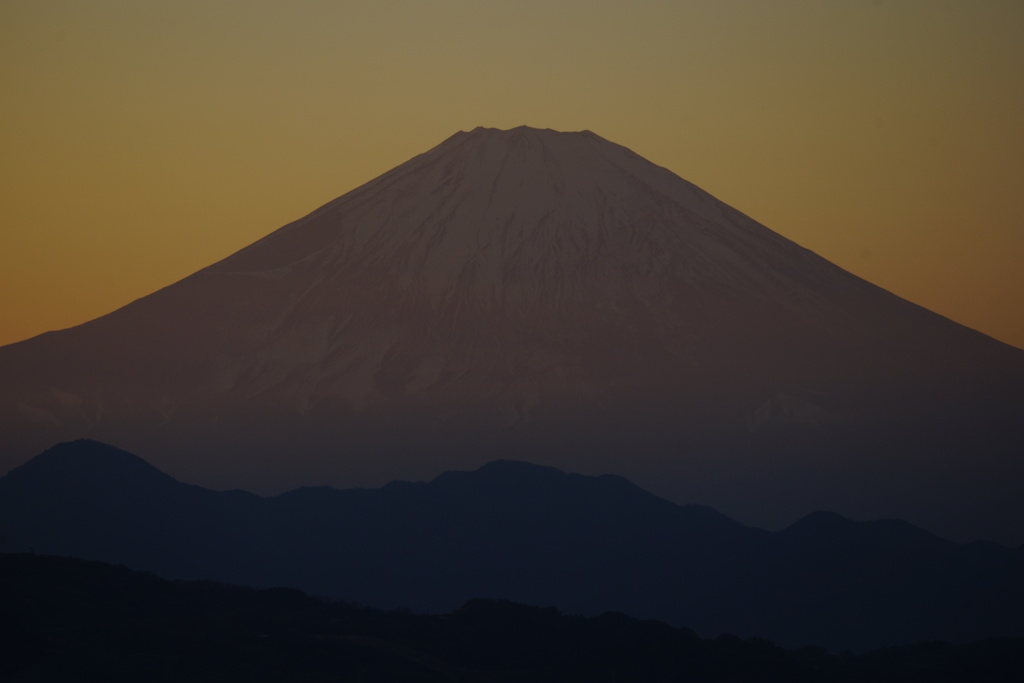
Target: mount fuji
550,297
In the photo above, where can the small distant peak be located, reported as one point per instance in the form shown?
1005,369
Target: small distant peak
826,517
820,524
505,471
86,459
88,449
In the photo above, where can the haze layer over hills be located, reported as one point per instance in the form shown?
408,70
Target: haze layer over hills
532,534
555,298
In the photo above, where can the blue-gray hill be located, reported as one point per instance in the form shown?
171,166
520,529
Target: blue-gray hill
531,534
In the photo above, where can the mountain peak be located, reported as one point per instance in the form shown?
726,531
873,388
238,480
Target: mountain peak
522,131
535,218
530,294
86,463
825,525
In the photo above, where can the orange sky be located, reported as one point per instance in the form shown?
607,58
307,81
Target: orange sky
143,140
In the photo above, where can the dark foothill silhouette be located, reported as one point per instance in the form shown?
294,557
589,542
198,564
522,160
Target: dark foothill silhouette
527,533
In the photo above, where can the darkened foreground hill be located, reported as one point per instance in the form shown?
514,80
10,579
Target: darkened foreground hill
529,534
67,619
550,297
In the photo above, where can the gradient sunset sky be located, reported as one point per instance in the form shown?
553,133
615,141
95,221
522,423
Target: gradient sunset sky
141,140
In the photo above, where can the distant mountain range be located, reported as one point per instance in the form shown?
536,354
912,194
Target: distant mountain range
551,297
531,534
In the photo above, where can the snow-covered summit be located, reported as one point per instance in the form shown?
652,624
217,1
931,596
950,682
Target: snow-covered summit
515,216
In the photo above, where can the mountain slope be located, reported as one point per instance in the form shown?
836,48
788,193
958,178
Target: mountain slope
512,530
549,296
